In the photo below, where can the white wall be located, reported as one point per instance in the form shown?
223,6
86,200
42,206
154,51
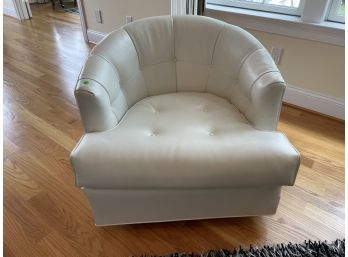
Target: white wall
114,12
309,64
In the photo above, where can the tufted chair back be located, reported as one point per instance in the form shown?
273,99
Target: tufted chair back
169,54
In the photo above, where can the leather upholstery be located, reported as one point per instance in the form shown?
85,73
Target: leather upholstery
129,206
184,140
176,54
181,102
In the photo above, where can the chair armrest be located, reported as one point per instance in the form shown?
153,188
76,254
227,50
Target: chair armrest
261,88
95,107
98,94
266,102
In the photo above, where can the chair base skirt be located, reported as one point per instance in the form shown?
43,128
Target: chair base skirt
130,206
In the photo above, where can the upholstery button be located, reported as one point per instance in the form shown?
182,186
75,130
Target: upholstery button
211,133
153,133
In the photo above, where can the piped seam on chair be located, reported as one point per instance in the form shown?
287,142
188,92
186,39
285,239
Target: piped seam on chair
278,114
216,40
175,70
115,70
86,78
75,149
260,76
212,56
77,82
164,188
83,91
119,95
245,58
111,64
91,93
140,66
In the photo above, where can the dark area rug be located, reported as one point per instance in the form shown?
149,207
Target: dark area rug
307,249
74,10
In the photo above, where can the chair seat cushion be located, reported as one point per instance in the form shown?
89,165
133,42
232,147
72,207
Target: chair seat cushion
184,140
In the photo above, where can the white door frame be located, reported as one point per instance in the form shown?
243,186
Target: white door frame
22,8
11,11
82,19
15,11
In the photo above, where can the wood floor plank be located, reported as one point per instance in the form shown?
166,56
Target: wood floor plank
40,103
9,147
59,137
22,218
16,241
16,178
46,215
55,245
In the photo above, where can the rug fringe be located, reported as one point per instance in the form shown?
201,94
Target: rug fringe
307,249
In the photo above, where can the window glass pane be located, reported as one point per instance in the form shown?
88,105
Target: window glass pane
287,3
291,7
341,8
337,11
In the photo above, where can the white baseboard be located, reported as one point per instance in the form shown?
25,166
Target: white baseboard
95,36
293,95
314,101
10,12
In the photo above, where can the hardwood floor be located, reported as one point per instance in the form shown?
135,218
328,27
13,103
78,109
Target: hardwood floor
46,215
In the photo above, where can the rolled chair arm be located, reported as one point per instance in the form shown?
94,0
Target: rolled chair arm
100,99
261,89
266,102
95,107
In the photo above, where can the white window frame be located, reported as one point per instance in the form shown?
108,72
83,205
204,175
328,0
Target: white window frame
282,24
332,14
330,11
261,6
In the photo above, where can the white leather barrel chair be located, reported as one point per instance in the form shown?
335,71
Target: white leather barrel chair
180,116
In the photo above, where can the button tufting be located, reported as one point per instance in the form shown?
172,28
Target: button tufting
153,133
211,133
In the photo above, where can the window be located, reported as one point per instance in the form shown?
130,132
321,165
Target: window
337,11
292,7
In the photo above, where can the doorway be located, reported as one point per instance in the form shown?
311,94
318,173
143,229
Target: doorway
19,9
22,9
